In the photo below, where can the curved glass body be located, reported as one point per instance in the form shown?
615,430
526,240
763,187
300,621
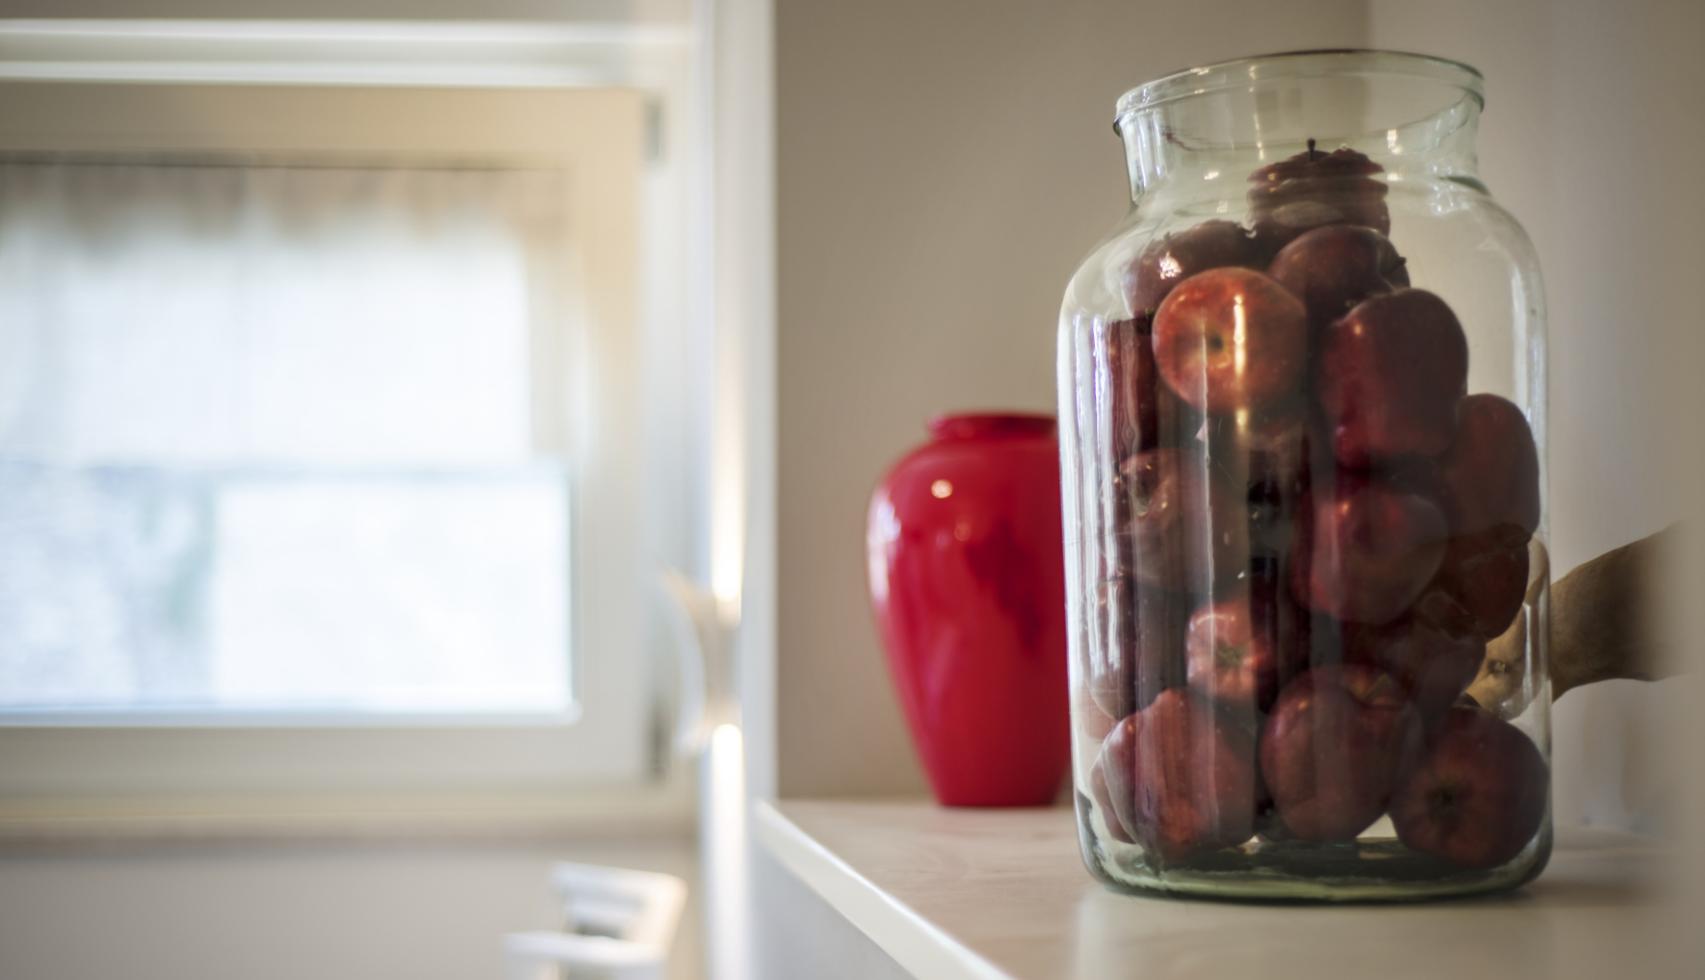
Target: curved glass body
1302,403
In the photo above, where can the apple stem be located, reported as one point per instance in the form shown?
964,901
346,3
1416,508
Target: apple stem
1311,150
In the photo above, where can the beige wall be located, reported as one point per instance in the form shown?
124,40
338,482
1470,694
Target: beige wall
1592,137
942,167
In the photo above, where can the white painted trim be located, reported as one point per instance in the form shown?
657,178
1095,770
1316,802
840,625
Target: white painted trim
384,11
743,195
467,34
598,143
735,82
914,942
467,54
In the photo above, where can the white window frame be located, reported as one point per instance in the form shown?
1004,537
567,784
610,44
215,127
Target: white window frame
356,92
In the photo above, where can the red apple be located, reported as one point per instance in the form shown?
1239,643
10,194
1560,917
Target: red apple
1332,269
1487,573
1491,471
1170,260
1332,748
1181,523
1271,454
1109,672
1092,720
1479,795
1391,374
1138,647
1279,430
1185,778
1412,474
1143,411
1231,340
1366,550
1238,649
1313,189
1103,798
1117,763
1434,651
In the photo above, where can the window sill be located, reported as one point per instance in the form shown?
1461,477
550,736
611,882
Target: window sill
991,893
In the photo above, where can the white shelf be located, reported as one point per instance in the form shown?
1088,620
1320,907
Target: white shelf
1002,893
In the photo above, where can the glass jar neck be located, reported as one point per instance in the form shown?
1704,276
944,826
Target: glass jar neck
1199,134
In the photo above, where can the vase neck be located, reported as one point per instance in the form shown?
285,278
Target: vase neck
1198,134
987,425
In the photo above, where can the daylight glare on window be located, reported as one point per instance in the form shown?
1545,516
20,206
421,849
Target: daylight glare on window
281,439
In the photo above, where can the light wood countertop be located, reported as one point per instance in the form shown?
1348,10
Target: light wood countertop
1002,893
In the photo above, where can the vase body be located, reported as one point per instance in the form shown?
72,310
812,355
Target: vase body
967,585
1302,404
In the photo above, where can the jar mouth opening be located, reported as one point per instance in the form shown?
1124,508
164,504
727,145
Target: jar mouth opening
1257,69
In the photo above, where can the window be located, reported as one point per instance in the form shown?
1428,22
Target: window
336,450
273,440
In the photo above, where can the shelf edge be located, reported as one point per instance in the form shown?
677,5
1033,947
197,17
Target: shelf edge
920,947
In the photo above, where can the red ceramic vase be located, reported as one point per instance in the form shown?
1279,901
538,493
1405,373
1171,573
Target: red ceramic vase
967,578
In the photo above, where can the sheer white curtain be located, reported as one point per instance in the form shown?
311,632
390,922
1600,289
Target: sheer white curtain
268,438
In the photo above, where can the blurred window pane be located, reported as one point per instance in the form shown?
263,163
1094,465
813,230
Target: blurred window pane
268,440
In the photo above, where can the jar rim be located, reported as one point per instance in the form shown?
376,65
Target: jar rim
1222,75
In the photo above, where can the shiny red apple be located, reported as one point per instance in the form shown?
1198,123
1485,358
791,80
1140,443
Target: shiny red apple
1279,430
1332,749
1137,649
1175,257
1182,779
1313,189
1181,523
1271,455
1366,550
1143,411
1238,648
1487,574
1103,797
1391,375
1479,795
1434,651
1092,720
1332,269
1231,340
1491,471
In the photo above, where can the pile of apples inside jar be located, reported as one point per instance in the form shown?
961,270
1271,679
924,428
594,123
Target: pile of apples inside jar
1292,530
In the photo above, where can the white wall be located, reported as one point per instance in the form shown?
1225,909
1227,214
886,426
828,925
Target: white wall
942,168
1592,137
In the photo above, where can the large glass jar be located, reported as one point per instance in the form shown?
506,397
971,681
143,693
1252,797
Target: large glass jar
1302,404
